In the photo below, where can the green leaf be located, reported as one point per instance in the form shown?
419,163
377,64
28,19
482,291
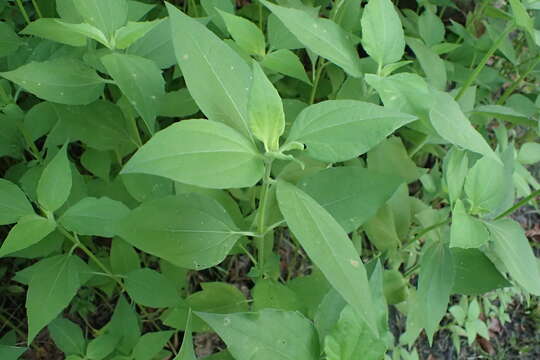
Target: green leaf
51,288
147,187
521,17
215,155
466,231
62,80
97,162
216,76
266,116
475,273
8,352
106,15
487,185
245,33
268,293
513,249
390,158
150,344
330,129
85,30
322,36
190,230
54,29
156,45
28,231
529,153
432,65
431,28
329,247
212,8
125,326
9,42
93,216
186,351
13,203
266,335
124,258
133,31
103,345
459,130
140,81
149,288
456,169
279,37
286,62
350,194
177,103
67,336
55,183
382,33
504,113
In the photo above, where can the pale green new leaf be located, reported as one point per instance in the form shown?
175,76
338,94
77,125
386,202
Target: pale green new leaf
322,36
350,194
133,31
513,249
9,41
93,216
245,33
466,231
52,286
339,130
28,231
140,81
453,126
329,247
266,335
286,62
62,80
266,116
13,203
200,152
216,76
86,30
54,186
189,230
382,33
106,15
149,288
456,169
54,29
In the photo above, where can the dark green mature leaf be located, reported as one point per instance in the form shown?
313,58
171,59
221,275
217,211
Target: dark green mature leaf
322,36
106,15
93,216
200,152
67,336
150,288
350,194
190,230
382,33
327,244
140,81
216,76
9,42
13,203
150,344
28,231
52,286
101,346
177,103
339,130
61,80
54,186
125,326
513,249
266,335
475,273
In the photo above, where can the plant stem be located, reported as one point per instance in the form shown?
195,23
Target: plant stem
23,11
320,66
484,60
261,215
516,83
519,204
38,11
425,231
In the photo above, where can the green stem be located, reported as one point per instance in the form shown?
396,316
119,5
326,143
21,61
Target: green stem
519,204
23,11
425,231
31,145
260,15
38,11
318,72
193,5
484,60
517,82
261,216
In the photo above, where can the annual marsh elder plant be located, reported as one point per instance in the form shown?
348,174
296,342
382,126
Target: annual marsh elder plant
341,149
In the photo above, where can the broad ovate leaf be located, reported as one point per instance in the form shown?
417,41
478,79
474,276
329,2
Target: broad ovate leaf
189,230
216,76
245,33
322,36
382,33
61,80
150,288
13,203
54,186
29,230
329,247
266,335
339,130
200,152
266,116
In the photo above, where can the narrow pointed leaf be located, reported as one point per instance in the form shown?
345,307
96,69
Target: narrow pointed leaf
13,203
54,186
28,231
